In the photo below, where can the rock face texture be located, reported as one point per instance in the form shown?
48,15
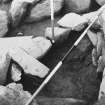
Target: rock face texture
77,78
6,1
100,2
3,23
13,94
29,44
18,9
59,101
42,10
15,73
77,6
29,64
4,64
60,34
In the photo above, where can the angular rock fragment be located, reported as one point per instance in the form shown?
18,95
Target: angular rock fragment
100,2
42,10
77,6
60,34
29,64
90,17
15,73
18,9
3,23
73,21
101,101
14,95
4,65
36,47
102,87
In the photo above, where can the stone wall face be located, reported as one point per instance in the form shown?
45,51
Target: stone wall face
77,79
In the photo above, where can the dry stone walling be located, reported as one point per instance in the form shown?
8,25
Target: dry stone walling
27,51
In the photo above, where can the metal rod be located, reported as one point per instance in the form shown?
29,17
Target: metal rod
52,19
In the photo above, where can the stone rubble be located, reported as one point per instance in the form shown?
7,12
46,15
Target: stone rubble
26,50
13,94
6,1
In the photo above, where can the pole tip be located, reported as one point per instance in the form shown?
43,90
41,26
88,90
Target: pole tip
53,41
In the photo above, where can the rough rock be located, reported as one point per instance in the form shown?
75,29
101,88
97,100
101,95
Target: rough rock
101,101
3,23
20,46
18,9
13,95
6,1
73,21
102,87
60,34
15,73
90,17
92,36
77,6
100,2
42,10
4,64
29,64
